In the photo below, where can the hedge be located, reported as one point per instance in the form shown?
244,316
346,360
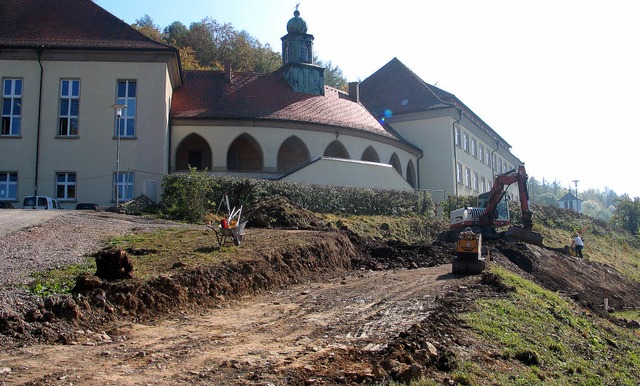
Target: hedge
192,196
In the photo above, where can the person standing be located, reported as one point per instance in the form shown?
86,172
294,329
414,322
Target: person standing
578,244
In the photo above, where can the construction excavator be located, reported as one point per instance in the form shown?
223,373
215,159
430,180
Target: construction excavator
491,213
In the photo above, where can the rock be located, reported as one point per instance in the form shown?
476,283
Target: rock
5,370
410,373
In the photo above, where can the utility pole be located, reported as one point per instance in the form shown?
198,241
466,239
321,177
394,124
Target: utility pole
576,183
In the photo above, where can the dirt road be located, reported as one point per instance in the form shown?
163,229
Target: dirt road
253,341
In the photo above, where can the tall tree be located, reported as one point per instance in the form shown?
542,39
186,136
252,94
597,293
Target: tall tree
146,25
177,34
332,75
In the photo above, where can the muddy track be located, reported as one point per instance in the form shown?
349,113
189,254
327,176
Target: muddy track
259,339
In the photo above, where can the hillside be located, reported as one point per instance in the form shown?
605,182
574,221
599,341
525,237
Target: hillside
344,300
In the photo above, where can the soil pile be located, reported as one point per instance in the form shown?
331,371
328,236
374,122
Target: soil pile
282,213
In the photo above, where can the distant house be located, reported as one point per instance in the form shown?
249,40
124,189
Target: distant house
65,64
570,201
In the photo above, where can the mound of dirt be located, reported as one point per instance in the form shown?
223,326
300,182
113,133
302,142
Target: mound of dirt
280,212
584,281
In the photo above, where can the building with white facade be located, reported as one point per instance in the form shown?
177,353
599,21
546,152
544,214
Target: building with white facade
64,64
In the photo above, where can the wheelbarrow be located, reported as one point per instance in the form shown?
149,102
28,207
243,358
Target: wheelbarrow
230,228
224,235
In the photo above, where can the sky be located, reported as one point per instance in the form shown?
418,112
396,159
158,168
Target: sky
559,80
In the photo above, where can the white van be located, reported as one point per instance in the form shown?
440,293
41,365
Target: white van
40,202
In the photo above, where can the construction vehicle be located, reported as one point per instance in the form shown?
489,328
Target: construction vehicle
470,254
493,212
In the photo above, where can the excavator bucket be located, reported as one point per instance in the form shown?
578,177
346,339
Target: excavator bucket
524,234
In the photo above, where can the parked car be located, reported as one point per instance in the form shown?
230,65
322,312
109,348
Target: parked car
87,206
40,202
5,205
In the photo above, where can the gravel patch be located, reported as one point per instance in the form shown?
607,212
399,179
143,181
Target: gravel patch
65,240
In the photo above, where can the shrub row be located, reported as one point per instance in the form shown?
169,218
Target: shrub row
192,196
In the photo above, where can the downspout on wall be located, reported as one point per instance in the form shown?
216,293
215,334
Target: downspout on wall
455,152
39,51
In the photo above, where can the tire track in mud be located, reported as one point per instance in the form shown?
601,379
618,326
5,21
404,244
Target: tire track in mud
257,338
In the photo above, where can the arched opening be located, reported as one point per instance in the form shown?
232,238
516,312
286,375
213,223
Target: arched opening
293,152
193,152
395,162
370,155
336,150
244,154
411,174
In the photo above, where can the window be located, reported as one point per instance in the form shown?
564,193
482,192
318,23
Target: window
285,55
483,185
487,157
459,172
304,53
8,186
124,186
127,96
476,183
500,165
481,153
493,162
465,142
11,106
69,107
474,148
456,135
467,177
66,186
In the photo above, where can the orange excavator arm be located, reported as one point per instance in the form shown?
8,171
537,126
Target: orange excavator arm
502,181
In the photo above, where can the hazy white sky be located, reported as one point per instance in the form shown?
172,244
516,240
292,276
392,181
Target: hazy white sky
559,80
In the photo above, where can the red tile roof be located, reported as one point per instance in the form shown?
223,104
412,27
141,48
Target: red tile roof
76,24
208,95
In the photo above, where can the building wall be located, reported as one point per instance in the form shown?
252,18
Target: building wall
341,172
91,155
434,133
270,138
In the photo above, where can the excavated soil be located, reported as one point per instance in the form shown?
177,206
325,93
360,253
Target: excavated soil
334,309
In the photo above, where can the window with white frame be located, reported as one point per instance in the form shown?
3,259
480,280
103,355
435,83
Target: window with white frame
500,165
465,142
11,106
483,185
66,186
493,162
459,172
456,134
467,177
69,107
8,185
124,186
481,153
474,148
476,183
126,95
487,157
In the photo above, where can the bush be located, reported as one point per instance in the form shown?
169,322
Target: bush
192,196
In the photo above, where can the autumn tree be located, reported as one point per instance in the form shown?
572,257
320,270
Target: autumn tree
146,25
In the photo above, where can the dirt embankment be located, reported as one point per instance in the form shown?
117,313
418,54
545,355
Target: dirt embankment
334,308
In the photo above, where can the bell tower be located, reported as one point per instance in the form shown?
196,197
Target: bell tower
297,58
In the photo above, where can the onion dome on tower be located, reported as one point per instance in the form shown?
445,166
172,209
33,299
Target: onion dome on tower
297,58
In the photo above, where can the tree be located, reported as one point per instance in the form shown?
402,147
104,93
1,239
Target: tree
148,28
177,34
627,214
332,75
